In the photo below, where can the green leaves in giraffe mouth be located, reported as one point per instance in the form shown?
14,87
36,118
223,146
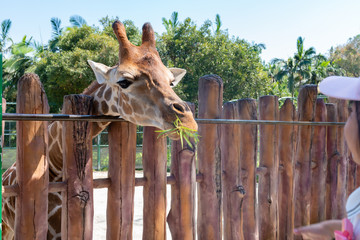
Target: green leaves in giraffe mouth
183,133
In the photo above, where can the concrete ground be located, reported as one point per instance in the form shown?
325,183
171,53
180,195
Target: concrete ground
100,201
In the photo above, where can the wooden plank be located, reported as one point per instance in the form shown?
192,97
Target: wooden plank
120,201
233,191
268,175
181,217
342,178
154,165
306,109
332,159
318,166
78,202
32,162
247,110
286,171
209,190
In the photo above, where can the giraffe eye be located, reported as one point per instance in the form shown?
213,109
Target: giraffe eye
124,83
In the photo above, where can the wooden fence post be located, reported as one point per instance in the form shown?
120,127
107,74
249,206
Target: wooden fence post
318,165
181,218
268,169
154,164
78,202
332,159
286,171
302,190
247,110
341,106
120,203
32,161
233,191
209,190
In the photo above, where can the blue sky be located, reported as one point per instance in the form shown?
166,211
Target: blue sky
276,23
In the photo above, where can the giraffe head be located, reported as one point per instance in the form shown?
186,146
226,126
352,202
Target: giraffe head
139,88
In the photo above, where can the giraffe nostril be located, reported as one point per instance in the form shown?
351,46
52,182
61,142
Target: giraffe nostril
178,108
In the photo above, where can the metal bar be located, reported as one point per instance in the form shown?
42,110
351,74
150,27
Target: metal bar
261,122
92,118
59,117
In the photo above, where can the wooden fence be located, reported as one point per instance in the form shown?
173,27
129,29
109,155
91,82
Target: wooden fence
253,181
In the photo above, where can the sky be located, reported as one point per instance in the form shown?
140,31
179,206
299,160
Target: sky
276,23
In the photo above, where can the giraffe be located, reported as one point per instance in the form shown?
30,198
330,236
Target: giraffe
138,88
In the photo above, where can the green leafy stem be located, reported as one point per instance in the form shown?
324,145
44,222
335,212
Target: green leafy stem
183,132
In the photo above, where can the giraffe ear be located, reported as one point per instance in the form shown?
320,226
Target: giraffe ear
178,73
100,70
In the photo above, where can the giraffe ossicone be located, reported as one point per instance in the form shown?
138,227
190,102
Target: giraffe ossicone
138,89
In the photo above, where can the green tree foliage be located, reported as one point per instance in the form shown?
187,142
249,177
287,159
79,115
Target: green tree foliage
347,57
66,71
201,51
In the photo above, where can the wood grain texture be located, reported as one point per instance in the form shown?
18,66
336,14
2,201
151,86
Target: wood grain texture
286,171
78,202
209,217
32,162
269,167
120,201
154,164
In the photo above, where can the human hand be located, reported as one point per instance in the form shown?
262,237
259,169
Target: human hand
319,231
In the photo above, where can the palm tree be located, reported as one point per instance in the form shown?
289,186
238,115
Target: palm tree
4,37
297,69
303,60
172,23
288,69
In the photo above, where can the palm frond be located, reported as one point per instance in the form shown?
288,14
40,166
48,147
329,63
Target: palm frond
5,28
56,27
218,23
77,21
